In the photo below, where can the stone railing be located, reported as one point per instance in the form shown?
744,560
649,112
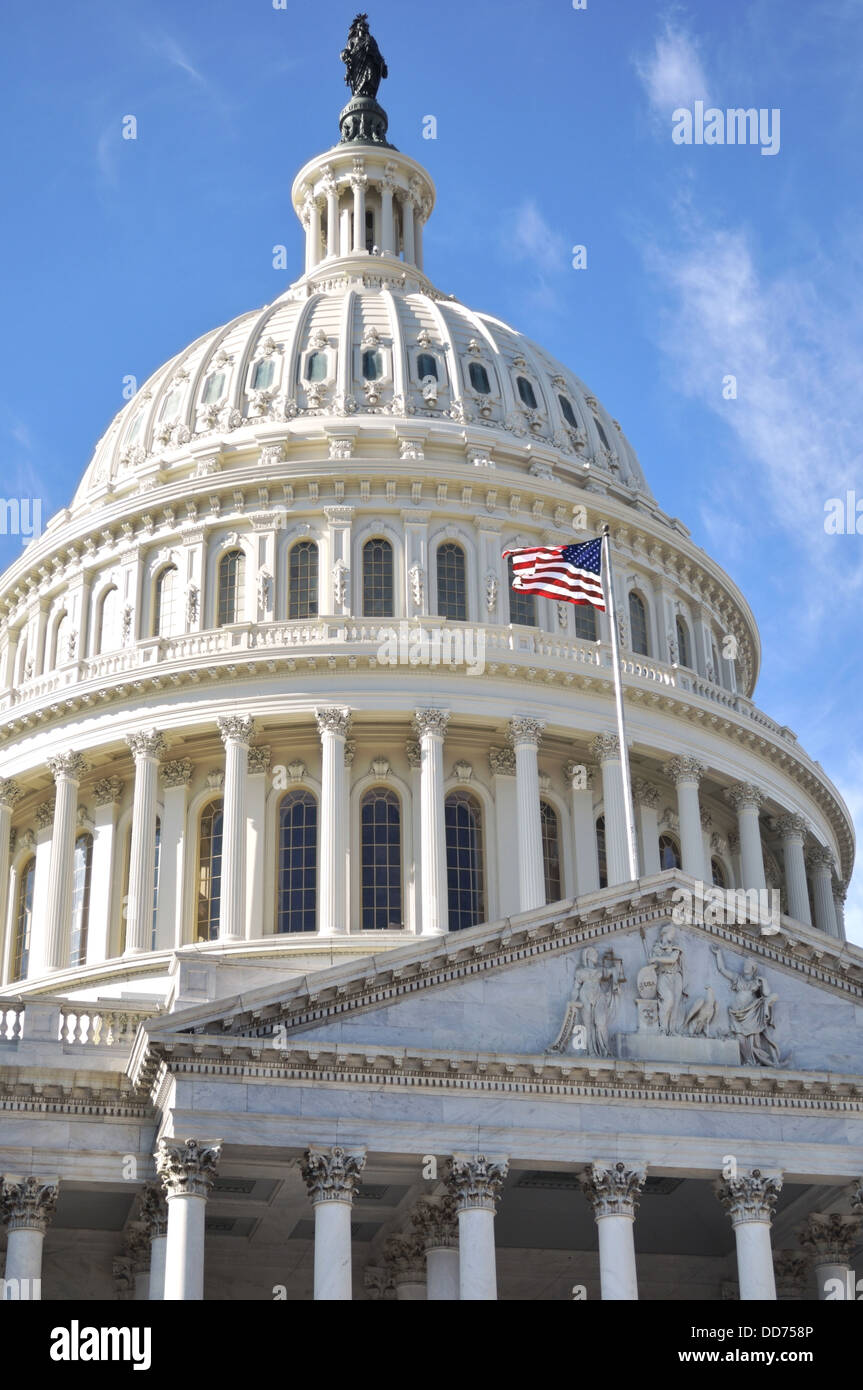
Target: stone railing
101,1027
11,1021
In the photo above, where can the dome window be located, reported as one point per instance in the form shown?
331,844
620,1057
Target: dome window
602,858
464,860
585,622
316,367
82,873
522,606
717,871
264,373
303,581
166,605
567,411
298,852
373,364
171,406
214,388
669,853
135,428
602,435
638,624
232,568
426,366
23,921
684,656
526,392
451,583
479,379
381,860
377,579
209,883
550,852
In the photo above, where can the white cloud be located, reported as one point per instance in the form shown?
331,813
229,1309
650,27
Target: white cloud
672,74
528,238
175,55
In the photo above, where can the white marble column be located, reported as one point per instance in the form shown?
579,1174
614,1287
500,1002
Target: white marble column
43,816
176,775
359,182
585,854
332,1177
154,1215
147,748
10,793
106,800
792,829
435,1220
613,1190
839,894
606,750
407,205
524,735
67,770
829,1241
821,869
139,1253
475,1184
388,235
26,1208
259,770
405,1256
502,764
430,726
237,731
187,1170
333,725
332,197
749,1200
747,800
646,797
686,773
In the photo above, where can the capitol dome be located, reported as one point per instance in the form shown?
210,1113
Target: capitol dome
279,740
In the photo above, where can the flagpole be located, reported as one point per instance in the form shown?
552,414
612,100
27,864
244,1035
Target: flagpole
626,778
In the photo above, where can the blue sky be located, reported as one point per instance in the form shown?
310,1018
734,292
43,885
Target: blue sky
553,129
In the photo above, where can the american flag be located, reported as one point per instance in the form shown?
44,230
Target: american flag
569,572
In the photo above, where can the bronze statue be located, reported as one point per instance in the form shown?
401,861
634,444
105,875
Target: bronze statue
365,67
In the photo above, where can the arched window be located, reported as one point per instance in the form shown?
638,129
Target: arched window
522,606
303,580
550,852
464,860
479,379
669,852
82,872
214,386
170,405
451,582
166,602
585,622
316,367
601,432
600,852
684,656
567,411
135,428
60,645
377,579
22,657
298,861
209,871
373,364
426,366
23,920
526,391
717,870
263,374
638,624
232,573
381,860
109,622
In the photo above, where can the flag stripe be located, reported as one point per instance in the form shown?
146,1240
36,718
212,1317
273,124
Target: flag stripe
569,572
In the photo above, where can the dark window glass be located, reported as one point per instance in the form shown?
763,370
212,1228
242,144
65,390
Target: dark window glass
526,391
718,873
166,608
550,852
522,606
370,229
156,861
210,872
303,580
568,412
377,579
479,379
451,582
23,921
381,856
585,622
426,366
232,567
600,852
297,871
82,870
669,853
264,373
316,367
464,861
638,624
373,364
683,654
602,435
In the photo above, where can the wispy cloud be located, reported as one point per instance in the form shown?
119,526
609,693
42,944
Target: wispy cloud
175,55
528,238
672,73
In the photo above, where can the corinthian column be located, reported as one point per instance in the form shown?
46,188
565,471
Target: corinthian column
237,731
747,800
525,735
405,1255
821,868
67,770
475,1184
749,1200
154,1216
10,792
435,1221
829,1241
430,726
613,1190
606,749
332,1177
686,773
187,1170
793,832
26,1208
646,798
147,748
333,725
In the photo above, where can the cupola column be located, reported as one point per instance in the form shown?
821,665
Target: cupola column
147,747
359,183
10,792
646,798
749,1200
686,773
388,232
67,770
839,895
525,735
606,749
792,829
475,1183
821,868
332,197
187,1170
430,725
333,725
106,797
332,1178
613,1190
581,780
747,800
27,1208
176,776
236,731
407,206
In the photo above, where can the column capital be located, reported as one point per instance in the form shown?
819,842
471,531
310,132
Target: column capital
829,1239
502,762
137,1246
333,720
405,1255
44,814
28,1204
613,1189
792,827
147,744
378,1283
431,721
750,1196
10,792
525,731
792,1274
645,793
259,759
435,1220
475,1182
684,769
332,1175
744,796
414,753
187,1167
70,766
606,747
108,791
177,772
153,1211
821,858
857,1196
236,728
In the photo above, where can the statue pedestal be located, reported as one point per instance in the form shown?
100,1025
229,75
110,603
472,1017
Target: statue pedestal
649,1046
364,122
